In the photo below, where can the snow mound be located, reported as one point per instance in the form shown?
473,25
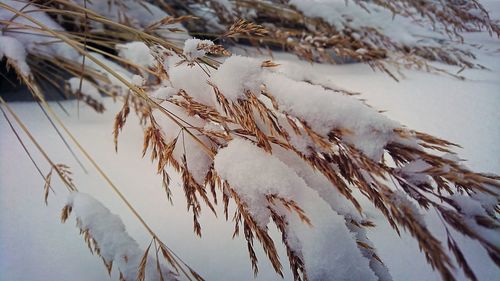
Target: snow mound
115,245
237,75
14,51
240,161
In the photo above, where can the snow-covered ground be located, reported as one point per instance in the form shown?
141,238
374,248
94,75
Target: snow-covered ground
35,246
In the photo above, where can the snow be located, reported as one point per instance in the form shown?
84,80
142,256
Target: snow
164,92
464,112
380,269
191,79
473,209
318,182
342,14
138,80
401,200
325,111
136,52
114,243
238,74
14,51
34,43
241,161
415,101
136,13
197,160
337,203
195,48
37,42
87,88
135,176
468,206
487,201
113,80
414,171
34,246
226,4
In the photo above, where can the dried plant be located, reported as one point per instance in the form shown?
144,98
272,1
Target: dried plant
242,27
250,107
317,39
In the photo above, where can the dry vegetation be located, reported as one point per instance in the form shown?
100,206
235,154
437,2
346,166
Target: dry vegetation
259,118
314,39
